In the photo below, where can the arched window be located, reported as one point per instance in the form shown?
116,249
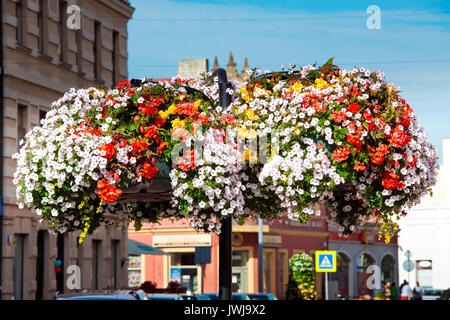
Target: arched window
387,269
341,274
363,261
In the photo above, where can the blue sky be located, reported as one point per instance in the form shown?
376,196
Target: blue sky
412,47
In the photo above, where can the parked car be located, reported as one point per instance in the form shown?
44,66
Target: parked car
164,296
234,296
97,296
432,294
445,295
261,296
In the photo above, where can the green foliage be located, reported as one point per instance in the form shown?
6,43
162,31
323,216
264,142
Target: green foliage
301,278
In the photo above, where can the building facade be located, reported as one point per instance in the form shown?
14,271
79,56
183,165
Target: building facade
355,254
425,233
281,239
42,59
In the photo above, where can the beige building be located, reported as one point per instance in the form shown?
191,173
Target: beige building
50,46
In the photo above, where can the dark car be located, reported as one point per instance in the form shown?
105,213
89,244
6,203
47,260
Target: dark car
234,296
261,296
97,296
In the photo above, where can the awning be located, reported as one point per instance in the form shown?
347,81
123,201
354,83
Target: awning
136,248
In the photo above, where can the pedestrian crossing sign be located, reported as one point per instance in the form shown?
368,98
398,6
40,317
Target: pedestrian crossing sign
325,261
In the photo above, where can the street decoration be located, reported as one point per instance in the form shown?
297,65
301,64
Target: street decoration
344,139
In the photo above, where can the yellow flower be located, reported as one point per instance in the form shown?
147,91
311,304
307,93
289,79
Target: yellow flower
172,109
177,123
197,103
250,114
163,114
266,92
297,87
245,94
321,84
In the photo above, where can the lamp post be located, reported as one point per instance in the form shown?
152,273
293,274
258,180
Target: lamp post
225,244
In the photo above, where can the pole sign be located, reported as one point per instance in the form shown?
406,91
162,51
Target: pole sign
325,261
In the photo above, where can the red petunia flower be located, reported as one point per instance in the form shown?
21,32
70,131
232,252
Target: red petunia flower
138,146
123,84
398,138
354,141
148,109
354,107
391,181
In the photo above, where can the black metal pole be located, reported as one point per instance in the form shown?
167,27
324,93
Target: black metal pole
225,245
2,72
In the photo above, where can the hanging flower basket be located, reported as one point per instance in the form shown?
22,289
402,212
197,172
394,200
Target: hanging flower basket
154,150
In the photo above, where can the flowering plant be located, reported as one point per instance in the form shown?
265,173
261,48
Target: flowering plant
93,144
342,138
301,271
348,140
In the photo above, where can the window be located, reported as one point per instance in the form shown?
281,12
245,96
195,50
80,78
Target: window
18,266
96,245
239,277
60,257
114,262
42,114
387,270
115,58
424,269
22,121
62,31
282,274
341,274
134,271
97,50
183,270
267,273
79,40
40,265
362,263
20,22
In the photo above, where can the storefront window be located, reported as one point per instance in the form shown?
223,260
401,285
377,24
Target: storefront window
387,269
341,274
239,279
362,263
184,270
134,271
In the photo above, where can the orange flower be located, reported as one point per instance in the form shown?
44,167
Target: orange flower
108,192
138,146
398,138
339,116
148,171
354,107
391,181
162,146
354,141
341,153
360,166
110,150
